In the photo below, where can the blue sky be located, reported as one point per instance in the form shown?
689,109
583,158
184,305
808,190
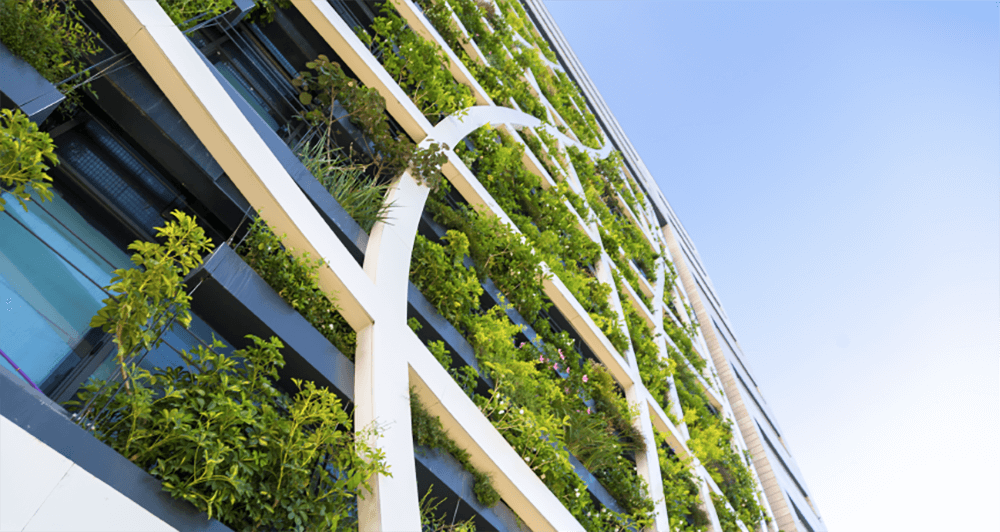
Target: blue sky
837,165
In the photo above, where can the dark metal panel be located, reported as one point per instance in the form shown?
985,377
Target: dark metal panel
235,301
451,480
26,88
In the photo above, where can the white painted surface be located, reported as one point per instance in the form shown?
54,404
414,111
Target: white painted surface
43,491
29,471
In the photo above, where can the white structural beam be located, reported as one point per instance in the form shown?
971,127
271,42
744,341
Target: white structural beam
179,71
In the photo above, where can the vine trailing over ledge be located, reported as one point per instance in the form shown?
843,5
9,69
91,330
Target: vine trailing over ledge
216,431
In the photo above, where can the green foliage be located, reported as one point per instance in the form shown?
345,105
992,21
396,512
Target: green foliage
508,62
544,157
533,435
465,376
216,431
618,232
221,436
546,221
25,155
48,35
296,279
428,431
655,371
383,155
501,255
681,491
187,13
727,518
434,520
682,337
711,442
548,384
419,66
439,273
147,299
359,193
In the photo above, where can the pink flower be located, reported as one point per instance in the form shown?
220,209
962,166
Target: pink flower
567,369
588,410
541,358
522,345
555,367
584,378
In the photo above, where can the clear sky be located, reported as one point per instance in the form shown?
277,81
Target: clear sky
837,166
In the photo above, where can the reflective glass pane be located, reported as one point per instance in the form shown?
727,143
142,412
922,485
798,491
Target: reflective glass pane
52,267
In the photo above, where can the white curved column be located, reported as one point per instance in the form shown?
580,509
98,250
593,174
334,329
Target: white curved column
381,380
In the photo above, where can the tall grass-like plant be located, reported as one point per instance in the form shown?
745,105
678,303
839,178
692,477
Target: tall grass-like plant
356,190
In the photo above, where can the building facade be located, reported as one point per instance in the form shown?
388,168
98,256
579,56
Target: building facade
506,308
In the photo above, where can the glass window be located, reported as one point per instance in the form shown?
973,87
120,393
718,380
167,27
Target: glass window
53,264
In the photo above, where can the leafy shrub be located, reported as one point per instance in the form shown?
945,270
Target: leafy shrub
428,431
546,384
150,297
25,155
216,431
419,66
221,436
654,370
295,278
48,35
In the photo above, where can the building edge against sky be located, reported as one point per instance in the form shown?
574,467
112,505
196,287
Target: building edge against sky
778,472
205,123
